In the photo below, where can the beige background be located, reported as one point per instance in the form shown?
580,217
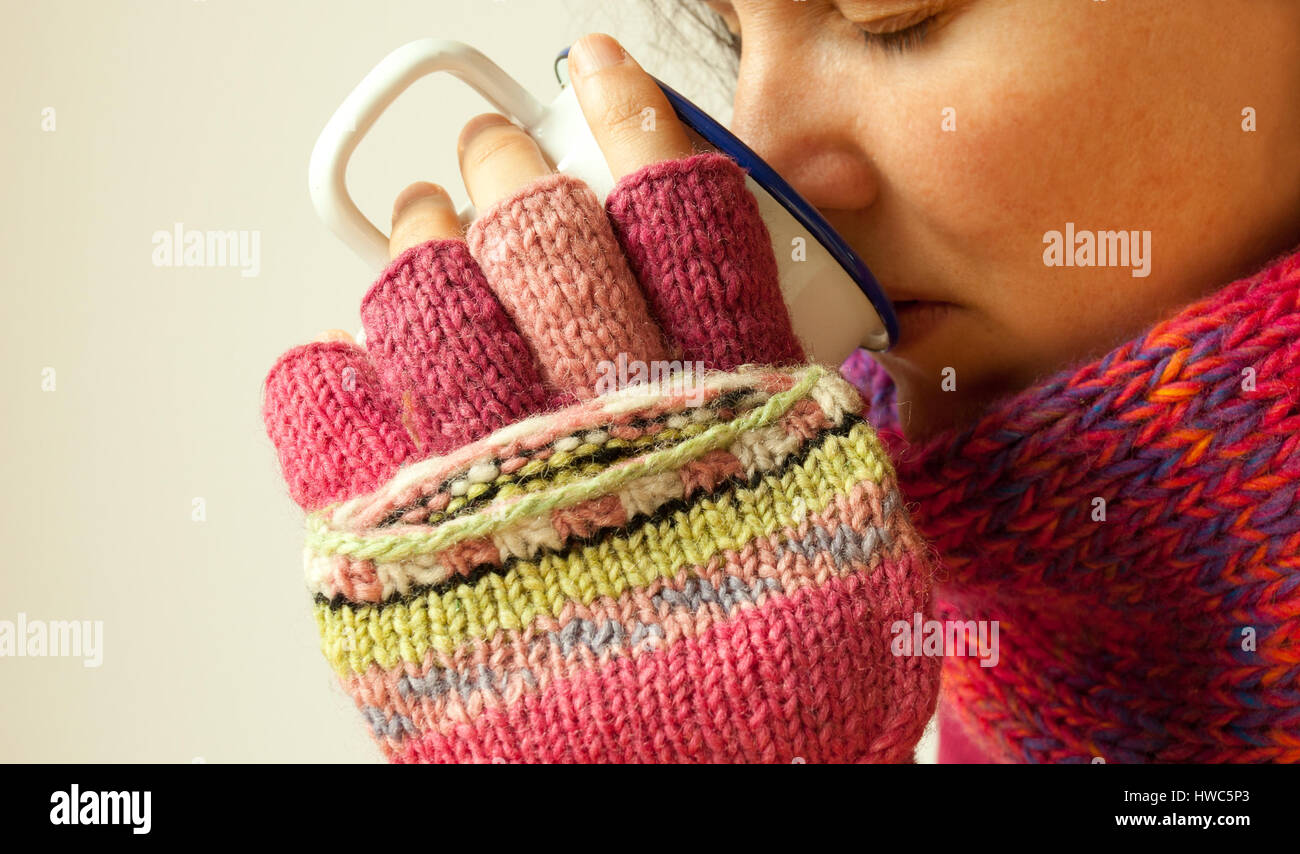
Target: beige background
201,112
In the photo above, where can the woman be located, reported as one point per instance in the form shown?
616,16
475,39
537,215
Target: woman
1095,438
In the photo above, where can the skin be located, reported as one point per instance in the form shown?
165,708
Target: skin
1120,115
497,158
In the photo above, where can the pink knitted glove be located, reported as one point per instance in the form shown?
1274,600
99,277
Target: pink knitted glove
445,358
510,567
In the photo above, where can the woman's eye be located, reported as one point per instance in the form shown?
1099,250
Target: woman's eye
898,40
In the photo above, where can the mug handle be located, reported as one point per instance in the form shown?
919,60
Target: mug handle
327,171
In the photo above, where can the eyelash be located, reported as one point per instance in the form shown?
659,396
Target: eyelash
899,40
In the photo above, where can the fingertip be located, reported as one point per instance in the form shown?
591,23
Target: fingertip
594,52
422,212
414,192
474,127
334,335
628,113
497,157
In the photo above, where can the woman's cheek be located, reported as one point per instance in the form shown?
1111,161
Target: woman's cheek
992,160
988,168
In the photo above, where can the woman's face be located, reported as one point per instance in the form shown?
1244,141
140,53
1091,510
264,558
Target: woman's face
947,140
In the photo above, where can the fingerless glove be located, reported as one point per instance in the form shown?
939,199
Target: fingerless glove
510,567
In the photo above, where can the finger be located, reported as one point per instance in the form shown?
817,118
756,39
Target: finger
335,335
627,111
422,212
550,254
497,158
445,350
715,289
337,434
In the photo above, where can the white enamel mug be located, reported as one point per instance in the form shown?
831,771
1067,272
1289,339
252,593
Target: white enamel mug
835,303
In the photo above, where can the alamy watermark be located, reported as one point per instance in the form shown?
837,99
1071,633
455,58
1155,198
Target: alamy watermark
90,807
24,638
978,638
679,378
1076,248
188,247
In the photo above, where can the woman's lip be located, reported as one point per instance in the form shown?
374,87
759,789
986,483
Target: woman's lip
916,301
899,296
918,317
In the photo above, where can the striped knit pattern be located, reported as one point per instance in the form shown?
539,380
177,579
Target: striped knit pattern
648,576
513,562
1170,632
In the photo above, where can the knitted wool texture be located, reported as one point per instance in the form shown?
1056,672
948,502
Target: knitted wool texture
1170,631
637,580
696,241
443,322
703,569
459,366
335,430
552,254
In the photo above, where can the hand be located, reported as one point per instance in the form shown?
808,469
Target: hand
497,158
544,317
510,565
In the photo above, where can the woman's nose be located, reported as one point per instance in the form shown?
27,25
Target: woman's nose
804,124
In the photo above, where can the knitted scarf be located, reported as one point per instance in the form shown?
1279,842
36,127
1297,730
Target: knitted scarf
1133,525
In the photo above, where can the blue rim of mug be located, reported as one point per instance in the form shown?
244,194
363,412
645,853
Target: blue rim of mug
808,216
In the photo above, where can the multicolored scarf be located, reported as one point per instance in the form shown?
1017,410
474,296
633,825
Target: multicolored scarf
1133,526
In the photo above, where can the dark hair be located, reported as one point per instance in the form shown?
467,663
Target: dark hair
692,22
